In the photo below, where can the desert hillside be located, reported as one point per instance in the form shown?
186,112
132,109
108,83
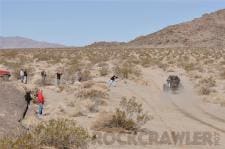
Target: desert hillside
206,31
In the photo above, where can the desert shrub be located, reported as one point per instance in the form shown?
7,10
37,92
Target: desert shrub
104,71
61,88
189,66
85,75
120,120
91,93
205,85
73,66
88,84
163,66
133,59
204,91
129,116
97,56
126,70
145,61
13,65
208,82
9,53
59,134
42,56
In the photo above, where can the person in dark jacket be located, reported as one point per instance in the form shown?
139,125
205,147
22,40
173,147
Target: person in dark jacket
28,98
112,81
43,76
25,77
58,77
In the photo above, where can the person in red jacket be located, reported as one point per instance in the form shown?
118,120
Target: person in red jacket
41,101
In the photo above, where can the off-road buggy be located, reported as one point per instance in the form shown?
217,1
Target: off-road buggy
172,83
4,75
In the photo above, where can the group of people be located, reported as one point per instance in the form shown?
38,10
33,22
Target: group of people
23,76
38,96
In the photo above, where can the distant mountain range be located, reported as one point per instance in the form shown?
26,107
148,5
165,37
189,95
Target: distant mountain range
21,42
206,31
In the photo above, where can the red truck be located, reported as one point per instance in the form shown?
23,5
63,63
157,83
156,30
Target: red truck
4,74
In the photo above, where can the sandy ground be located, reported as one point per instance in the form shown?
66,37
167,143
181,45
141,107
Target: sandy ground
184,111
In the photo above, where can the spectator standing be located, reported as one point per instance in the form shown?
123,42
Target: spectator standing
21,75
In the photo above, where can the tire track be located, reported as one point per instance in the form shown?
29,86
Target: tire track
197,119
186,113
212,116
154,109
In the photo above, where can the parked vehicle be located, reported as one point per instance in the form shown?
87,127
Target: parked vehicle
4,74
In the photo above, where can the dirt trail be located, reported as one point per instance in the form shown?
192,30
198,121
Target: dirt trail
188,102
172,112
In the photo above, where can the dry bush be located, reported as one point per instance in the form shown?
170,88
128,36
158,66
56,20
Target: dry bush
163,66
206,85
42,56
146,61
61,88
104,71
59,134
13,65
189,66
9,54
88,84
208,82
204,91
103,64
127,70
129,116
97,55
74,65
86,75
91,93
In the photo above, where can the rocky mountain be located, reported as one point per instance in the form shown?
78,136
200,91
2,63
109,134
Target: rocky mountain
206,31
21,42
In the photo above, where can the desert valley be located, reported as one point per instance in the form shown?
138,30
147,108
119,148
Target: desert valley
84,111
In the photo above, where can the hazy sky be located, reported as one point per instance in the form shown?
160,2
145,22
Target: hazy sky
80,22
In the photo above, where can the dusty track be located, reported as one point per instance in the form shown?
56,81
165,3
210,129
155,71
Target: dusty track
186,102
172,112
